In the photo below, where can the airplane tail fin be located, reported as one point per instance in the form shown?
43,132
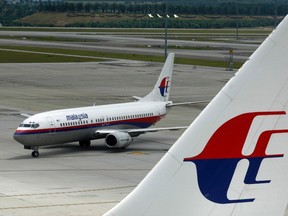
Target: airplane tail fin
161,90
231,160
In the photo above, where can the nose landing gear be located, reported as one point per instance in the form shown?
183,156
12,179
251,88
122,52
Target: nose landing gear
35,149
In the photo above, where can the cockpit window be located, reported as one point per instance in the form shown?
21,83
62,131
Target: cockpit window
34,125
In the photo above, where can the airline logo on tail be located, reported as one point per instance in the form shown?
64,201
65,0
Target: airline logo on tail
164,85
217,163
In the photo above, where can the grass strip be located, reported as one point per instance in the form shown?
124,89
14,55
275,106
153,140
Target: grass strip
264,31
87,53
47,38
26,57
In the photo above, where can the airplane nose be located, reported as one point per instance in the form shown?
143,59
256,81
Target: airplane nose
19,138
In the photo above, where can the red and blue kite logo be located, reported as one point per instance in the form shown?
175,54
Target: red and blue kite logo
164,85
217,163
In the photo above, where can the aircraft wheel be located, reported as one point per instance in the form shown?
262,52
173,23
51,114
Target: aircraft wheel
85,143
35,154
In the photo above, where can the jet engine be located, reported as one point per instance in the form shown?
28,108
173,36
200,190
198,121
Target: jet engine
118,140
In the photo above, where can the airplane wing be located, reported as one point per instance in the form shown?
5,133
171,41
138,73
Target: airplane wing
140,130
147,130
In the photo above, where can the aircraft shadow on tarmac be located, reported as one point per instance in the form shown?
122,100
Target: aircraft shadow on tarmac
74,150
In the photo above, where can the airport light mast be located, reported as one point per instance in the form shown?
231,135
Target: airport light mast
165,28
275,13
166,24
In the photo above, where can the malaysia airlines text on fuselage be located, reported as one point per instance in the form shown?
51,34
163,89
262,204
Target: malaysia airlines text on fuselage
77,117
81,123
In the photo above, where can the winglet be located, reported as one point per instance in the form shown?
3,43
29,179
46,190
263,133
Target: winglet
161,90
231,160
137,98
27,115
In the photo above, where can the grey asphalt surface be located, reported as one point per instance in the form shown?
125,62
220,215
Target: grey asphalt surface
68,180
133,44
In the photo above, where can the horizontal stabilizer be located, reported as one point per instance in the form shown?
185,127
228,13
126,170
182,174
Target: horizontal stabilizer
187,103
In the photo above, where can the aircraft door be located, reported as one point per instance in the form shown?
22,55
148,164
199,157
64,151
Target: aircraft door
105,122
51,125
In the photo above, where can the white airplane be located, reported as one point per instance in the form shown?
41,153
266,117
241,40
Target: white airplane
117,123
232,160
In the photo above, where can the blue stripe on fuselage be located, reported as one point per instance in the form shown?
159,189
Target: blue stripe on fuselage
82,127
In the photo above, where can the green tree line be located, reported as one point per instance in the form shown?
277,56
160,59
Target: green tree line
159,23
227,8
12,11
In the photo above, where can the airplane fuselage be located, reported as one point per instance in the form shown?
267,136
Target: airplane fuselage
117,123
81,124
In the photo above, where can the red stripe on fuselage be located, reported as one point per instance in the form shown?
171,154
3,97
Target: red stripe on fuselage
138,121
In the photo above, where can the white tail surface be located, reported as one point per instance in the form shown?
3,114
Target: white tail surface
161,90
232,160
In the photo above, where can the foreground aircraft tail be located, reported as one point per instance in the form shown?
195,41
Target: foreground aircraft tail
232,160
161,90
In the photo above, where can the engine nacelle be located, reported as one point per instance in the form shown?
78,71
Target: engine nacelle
118,140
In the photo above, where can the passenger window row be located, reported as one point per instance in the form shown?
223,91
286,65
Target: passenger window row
75,123
129,117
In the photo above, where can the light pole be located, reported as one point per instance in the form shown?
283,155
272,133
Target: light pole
166,24
275,14
237,27
165,27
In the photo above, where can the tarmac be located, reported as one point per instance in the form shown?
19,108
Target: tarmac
218,50
68,180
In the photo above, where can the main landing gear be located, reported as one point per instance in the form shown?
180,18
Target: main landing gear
85,143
